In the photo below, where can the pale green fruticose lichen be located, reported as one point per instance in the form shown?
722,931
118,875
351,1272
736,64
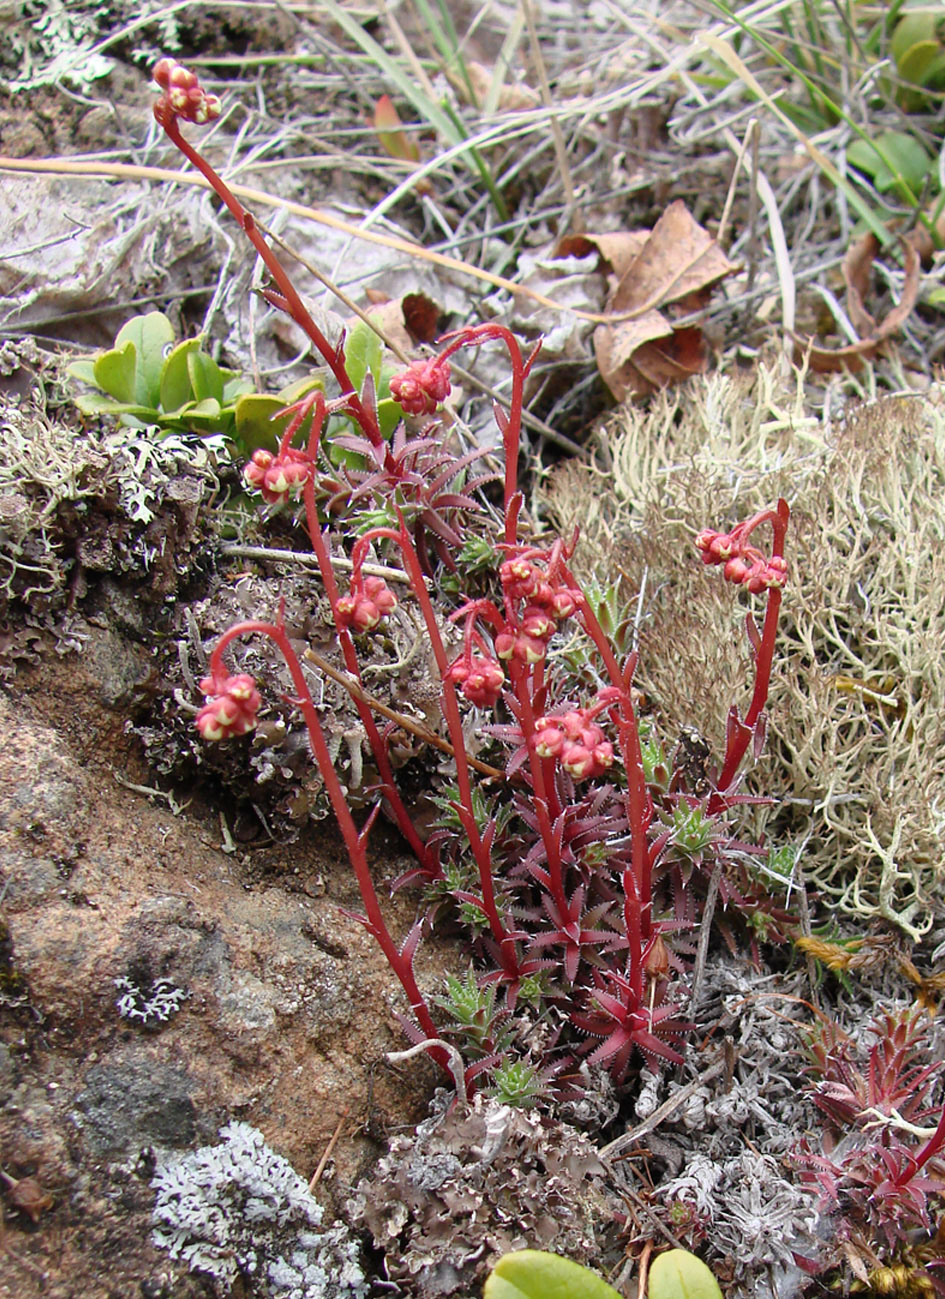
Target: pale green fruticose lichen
858,694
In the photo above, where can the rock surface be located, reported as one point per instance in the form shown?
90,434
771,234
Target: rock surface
246,992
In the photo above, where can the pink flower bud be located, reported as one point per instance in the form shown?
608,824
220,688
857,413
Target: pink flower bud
484,681
535,622
376,589
564,603
519,578
549,739
421,387
736,569
505,645
577,761
231,707
527,648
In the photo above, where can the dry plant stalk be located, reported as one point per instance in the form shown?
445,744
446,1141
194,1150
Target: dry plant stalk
858,693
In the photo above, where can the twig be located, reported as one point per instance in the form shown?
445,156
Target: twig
274,555
619,1144
422,732
328,1149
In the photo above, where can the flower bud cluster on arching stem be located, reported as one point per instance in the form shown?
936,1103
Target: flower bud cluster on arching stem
510,425
757,573
168,115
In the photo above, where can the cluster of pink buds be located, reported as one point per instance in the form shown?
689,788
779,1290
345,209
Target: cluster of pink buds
231,707
546,604
278,476
479,677
743,564
577,740
369,600
183,95
422,386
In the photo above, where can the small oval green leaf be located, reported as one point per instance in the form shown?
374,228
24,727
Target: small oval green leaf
534,1274
176,388
677,1274
150,334
205,377
114,371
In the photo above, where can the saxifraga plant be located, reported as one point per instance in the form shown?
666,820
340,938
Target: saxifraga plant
569,872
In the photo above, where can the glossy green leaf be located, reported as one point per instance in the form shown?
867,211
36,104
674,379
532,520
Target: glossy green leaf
534,1274
256,422
176,388
151,335
389,415
364,351
896,158
205,377
93,403
918,63
84,371
677,1274
912,29
114,371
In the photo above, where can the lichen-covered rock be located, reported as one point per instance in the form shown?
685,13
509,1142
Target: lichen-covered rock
475,1182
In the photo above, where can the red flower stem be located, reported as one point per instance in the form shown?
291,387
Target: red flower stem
510,424
428,861
740,734
455,726
638,916
546,809
333,356
354,841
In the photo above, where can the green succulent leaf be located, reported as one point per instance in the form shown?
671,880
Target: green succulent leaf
364,352
256,422
904,153
93,403
534,1274
84,371
677,1274
205,377
151,335
114,372
176,389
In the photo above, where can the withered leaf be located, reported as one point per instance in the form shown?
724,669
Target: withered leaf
857,268
659,276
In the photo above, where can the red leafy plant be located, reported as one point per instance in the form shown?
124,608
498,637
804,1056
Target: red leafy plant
882,1170
569,870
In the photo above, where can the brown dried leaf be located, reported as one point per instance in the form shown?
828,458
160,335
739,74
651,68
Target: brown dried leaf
856,271
617,249
660,275
678,258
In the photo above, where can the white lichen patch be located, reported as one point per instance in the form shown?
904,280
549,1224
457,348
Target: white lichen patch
239,1209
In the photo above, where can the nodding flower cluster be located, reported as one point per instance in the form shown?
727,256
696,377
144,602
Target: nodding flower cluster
577,741
744,565
369,600
231,707
547,603
278,477
479,677
183,95
420,388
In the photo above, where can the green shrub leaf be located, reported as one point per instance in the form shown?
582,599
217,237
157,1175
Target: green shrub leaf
150,334
176,388
533,1274
114,371
677,1274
